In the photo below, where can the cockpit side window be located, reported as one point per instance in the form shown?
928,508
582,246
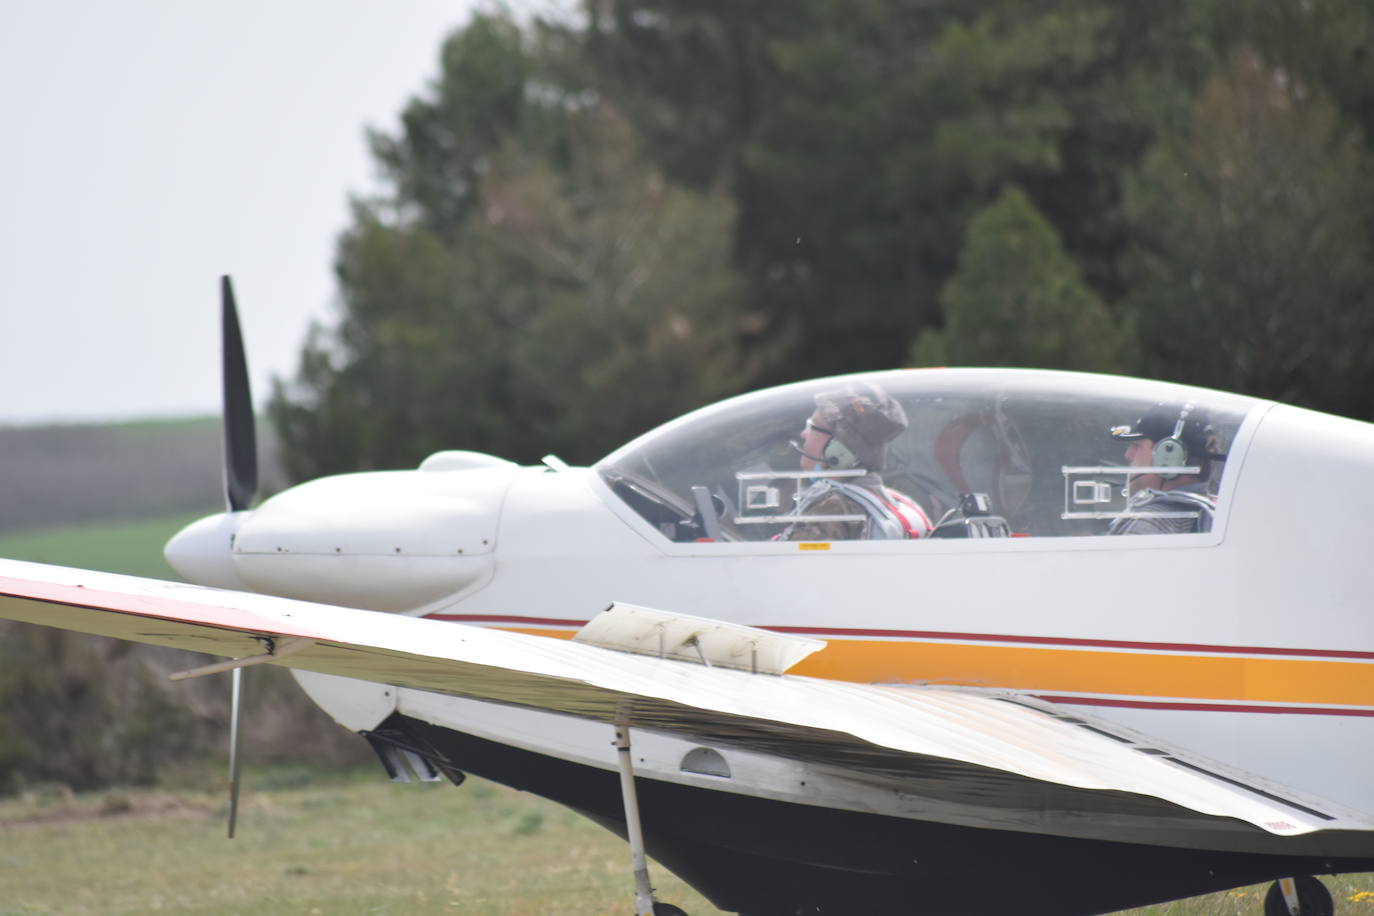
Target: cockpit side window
921,454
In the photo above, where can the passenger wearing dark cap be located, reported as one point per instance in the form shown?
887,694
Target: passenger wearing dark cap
1165,502
851,429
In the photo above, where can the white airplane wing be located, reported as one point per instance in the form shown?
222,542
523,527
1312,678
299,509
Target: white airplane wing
994,750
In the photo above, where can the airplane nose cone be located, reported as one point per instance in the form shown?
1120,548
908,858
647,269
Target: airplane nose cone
203,551
382,540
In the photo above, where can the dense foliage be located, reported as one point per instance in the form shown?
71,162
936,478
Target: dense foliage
589,225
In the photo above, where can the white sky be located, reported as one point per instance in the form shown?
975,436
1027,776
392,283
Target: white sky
148,147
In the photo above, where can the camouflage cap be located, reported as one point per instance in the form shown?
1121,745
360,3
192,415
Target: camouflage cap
865,418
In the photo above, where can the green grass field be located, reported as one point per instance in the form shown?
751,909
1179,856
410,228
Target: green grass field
334,846
133,547
360,845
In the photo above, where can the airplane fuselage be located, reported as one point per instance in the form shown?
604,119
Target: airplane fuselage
1251,643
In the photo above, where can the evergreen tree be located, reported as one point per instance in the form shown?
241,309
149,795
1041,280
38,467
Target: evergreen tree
858,139
1252,266
448,136
1017,299
669,200
531,284
1324,44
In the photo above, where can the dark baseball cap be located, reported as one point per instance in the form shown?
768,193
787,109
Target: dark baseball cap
1161,420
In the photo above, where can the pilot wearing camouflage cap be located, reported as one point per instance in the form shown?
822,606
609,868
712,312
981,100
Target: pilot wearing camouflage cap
850,430
1164,502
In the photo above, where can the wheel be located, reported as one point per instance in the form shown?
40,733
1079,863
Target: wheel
667,909
1313,899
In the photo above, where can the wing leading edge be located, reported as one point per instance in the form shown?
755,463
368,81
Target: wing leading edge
996,750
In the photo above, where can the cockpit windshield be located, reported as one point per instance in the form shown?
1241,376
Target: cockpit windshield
913,454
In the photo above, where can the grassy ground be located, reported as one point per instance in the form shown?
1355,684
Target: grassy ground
359,845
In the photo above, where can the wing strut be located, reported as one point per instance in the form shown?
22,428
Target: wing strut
274,653
235,694
644,892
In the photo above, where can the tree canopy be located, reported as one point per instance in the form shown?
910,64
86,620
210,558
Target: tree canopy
592,224
531,284
1251,264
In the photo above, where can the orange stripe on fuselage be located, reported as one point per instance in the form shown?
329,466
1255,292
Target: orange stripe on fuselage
1091,671
529,631
1272,680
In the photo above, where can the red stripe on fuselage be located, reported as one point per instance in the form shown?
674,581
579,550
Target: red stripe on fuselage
1073,641
1205,707
505,618
852,633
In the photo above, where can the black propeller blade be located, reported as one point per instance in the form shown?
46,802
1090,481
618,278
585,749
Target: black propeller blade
240,485
240,439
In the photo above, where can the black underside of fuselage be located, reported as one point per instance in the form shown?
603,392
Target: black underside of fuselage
769,858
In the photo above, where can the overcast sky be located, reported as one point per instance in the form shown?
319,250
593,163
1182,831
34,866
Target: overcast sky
146,148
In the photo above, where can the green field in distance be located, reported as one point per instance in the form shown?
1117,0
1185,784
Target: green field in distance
130,547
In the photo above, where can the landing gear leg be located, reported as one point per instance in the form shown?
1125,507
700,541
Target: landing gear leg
1301,896
644,892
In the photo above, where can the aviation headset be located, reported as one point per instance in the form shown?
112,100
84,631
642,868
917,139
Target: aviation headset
1170,452
835,455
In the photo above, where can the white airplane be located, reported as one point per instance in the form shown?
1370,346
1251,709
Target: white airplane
1029,687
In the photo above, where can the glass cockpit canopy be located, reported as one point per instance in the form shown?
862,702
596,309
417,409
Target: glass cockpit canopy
1034,447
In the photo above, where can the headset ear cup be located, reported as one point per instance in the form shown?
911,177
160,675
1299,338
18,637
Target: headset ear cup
838,455
1169,453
